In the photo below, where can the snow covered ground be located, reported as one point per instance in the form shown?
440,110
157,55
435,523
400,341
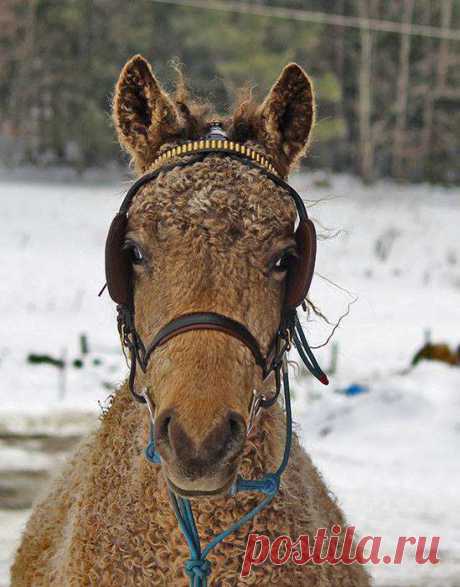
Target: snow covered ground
390,454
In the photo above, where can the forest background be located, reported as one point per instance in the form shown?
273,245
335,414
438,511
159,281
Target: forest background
386,74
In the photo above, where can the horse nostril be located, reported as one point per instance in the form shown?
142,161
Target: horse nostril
200,457
162,428
236,426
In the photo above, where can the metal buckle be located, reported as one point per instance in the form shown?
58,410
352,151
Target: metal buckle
257,399
286,335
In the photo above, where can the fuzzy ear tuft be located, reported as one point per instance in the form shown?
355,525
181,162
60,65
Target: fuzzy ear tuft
144,115
287,115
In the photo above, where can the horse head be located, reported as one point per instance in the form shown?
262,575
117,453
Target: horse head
211,236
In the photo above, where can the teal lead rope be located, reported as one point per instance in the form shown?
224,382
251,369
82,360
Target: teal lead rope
197,567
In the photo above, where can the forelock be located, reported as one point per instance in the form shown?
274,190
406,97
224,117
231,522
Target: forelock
217,196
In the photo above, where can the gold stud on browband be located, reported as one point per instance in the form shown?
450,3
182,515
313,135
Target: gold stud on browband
217,146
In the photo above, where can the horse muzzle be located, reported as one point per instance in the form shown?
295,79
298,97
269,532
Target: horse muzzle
205,466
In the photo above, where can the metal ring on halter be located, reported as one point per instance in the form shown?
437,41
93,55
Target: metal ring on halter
269,402
256,405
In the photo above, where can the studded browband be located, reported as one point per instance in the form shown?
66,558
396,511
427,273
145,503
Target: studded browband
217,146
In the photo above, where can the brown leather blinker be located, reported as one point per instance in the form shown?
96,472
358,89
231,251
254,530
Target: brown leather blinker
117,262
301,267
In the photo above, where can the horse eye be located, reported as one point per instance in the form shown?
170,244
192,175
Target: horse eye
135,253
137,256
282,264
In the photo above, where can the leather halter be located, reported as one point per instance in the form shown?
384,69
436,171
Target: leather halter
140,354
300,271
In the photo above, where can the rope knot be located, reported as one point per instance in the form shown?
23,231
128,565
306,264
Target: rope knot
151,454
197,568
270,484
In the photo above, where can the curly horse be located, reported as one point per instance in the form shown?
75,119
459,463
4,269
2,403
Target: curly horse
212,235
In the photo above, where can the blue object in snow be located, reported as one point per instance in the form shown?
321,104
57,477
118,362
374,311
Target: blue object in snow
355,389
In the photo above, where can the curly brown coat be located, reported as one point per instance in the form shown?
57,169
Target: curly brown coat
209,234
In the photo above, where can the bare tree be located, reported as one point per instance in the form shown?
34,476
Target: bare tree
366,142
399,133
440,62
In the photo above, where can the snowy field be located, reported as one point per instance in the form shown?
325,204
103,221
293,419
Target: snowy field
390,454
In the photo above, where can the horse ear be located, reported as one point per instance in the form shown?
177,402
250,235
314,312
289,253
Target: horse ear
144,115
286,116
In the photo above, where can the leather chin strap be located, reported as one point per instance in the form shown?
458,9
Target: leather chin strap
140,354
